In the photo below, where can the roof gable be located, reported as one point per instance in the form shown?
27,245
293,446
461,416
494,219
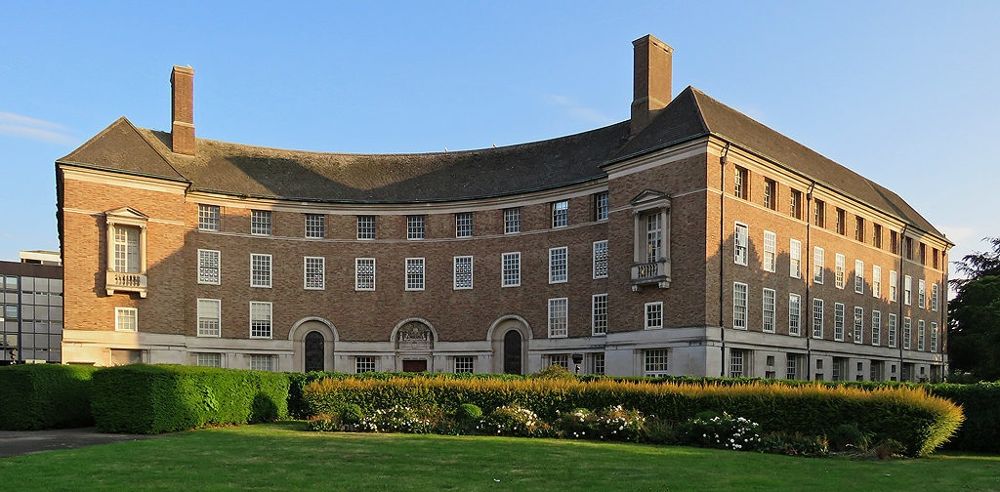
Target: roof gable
121,147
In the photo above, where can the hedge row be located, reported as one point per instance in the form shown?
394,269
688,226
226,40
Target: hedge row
45,396
147,399
917,420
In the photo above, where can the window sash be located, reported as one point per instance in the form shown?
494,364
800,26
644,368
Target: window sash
558,265
260,270
364,274
741,239
126,249
511,269
415,227
126,319
600,259
859,324
876,281
314,272
560,213
654,315
208,359
209,267
462,272
770,251
364,364
893,321
209,317
859,277
208,217
601,206
655,362
921,334
841,267
599,314
817,318
366,227
414,274
740,302
818,265
558,317
260,222
768,313
315,226
260,319
876,328
839,313
795,258
463,224
511,220
794,315
654,236
261,362
465,364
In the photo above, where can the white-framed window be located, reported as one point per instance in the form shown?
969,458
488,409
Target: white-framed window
934,336
314,272
876,328
364,274
817,325
414,274
366,227
558,265
260,222
841,266
510,264
859,277
260,319
462,272
921,293
209,317
558,317
921,334
794,315
655,362
561,360
511,220
599,314
262,362
737,363
465,364
907,333
654,236
859,324
600,259
740,302
463,224
741,244
795,258
770,251
260,270
935,296
315,226
415,227
654,315
126,319
127,250
767,319
892,330
876,281
601,206
907,290
560,213
208,359
792,367
818,265
208,217
209,267
838,321
364,363
596,363
893,286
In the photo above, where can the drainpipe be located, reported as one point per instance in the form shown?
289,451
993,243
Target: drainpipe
722,260
900,281
809,280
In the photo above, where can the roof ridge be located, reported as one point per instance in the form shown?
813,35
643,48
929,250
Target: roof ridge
153,147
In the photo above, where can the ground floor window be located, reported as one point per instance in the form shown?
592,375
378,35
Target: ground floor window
792,366
655,363
262,362
839,368
465,364
738,359
364,364
596,363
208,359
559,360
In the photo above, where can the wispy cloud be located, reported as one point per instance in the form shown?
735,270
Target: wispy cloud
20,126
578,111
964,236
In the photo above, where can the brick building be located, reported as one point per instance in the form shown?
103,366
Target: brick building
689,239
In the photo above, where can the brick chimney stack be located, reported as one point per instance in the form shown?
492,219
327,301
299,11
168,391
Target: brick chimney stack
182,110
651,80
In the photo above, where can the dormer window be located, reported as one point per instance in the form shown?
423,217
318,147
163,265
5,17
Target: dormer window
126,266
651,255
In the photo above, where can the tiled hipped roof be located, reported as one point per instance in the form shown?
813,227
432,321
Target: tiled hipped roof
247,170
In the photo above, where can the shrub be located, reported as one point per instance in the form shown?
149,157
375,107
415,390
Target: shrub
554,371
660,431
848,437
324,422
618,424
793,444
150,399
981,430
45,396
723,431
575,424
908,415
514,420
400,418
468,412
888,448
351,414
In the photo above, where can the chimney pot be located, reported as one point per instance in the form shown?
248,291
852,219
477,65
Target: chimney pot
182,110
651,80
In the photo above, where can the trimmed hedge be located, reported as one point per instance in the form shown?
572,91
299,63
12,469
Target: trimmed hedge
45,396
920,421
981,404
150,399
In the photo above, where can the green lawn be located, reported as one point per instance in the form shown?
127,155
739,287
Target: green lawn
281,456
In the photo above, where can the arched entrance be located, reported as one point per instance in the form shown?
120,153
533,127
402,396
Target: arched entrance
512,363
313,350
509,337
414,339
313,340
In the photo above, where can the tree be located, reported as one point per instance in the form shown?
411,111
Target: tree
974,315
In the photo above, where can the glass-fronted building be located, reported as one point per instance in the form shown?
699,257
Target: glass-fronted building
31,312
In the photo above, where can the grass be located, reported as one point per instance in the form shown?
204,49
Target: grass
282,456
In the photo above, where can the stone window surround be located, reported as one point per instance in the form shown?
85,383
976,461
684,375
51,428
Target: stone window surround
136,281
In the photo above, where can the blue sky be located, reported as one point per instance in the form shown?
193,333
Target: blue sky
905,93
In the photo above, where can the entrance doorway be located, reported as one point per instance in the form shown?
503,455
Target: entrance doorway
512,352
314,357
414,365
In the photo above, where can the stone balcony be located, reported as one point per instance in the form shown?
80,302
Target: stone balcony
126,282
651,273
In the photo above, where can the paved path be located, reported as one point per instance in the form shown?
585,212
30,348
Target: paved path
23,442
